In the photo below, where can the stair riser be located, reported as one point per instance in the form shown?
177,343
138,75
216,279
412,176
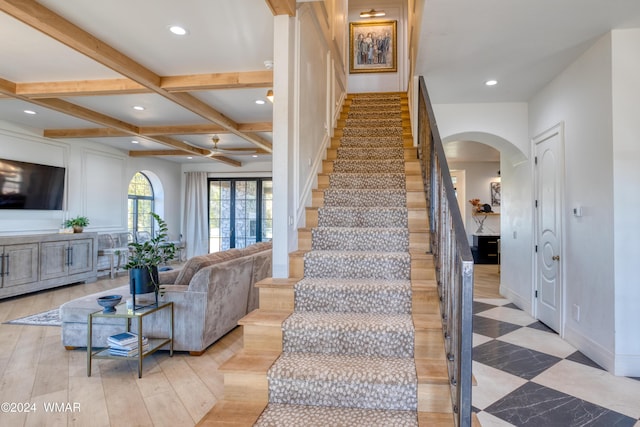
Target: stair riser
419,242
364,198
373,217
434,398
246,387
371,167
429,344
349,342
367,181
341,394
362,133
409,168
344,301
409,153
344,239
277,299
356,266
425,302
262,338
420,269
361,142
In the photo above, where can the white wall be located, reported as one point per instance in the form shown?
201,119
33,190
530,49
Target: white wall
388,81
581,98
96,183
626,203
308,66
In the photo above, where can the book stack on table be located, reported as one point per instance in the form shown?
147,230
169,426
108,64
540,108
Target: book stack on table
126,344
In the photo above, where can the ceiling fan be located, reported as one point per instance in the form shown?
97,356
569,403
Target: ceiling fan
215,151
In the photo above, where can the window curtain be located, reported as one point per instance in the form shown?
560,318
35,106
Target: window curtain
196,214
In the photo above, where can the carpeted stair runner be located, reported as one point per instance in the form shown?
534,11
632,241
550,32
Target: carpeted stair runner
348,347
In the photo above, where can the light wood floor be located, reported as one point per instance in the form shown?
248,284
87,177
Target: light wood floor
486,281
178,391
36,369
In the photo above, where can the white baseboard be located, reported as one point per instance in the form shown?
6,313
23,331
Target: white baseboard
522,302
627,365
594,351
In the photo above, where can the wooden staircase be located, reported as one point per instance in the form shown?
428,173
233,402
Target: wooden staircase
245,374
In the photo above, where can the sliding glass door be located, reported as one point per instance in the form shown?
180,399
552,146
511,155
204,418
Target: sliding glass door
239,212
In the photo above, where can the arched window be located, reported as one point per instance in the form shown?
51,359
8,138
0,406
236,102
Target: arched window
141,202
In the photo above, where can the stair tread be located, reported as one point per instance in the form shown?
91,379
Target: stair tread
250,362
232,413
329,367
264,317
309,320
273,282
428,284
331,416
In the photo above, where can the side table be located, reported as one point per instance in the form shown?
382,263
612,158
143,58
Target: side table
128,315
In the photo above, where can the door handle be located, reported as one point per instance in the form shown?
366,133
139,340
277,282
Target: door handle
556,257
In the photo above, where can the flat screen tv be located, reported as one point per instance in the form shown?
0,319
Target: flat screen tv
30,186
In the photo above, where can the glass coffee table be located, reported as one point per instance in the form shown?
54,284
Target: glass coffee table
128,315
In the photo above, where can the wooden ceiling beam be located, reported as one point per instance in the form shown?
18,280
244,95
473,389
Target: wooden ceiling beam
188,83
236,80
282,7
80,88
199,129
7,88
55,26
155,153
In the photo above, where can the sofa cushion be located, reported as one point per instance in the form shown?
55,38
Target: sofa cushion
197,263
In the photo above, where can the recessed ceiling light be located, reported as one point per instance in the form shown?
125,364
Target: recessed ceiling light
259,101
135,142
189,157
178,30
30,112
491,82
255,156
138,107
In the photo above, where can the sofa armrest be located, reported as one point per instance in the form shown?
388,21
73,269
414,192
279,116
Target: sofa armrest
173,288
168,277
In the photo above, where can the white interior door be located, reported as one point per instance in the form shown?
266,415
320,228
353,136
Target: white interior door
549,184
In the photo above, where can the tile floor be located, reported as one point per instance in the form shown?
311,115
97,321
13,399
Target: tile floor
528,376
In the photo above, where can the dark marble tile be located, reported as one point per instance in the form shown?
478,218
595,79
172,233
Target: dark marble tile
533,405
491,327
522,362
581,358
541,327
482,306
512,305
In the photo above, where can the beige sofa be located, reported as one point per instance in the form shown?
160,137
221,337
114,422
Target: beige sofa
210,294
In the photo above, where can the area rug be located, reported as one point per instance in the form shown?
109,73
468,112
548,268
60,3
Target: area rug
46,318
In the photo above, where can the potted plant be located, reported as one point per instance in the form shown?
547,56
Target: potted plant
78,223
144,258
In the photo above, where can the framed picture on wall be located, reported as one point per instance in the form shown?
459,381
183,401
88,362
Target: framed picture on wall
373,47
495,194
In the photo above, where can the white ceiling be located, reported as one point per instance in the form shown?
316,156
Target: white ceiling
523,44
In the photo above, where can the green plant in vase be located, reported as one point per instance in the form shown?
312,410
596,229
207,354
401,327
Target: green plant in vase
78,223
144,258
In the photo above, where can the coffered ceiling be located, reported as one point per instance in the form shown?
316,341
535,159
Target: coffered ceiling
83,66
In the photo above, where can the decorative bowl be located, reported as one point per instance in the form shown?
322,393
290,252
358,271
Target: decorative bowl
109,302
